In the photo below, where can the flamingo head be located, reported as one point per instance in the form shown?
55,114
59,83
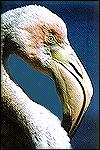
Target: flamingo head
40,38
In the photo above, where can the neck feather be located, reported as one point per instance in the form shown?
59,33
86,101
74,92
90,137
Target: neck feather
38,124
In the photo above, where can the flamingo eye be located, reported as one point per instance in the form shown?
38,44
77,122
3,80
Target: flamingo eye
51,39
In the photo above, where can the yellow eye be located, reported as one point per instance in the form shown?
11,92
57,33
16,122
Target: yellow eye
51,39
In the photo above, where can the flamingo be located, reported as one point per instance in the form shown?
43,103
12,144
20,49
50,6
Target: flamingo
39,37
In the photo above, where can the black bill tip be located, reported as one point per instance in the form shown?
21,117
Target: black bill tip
66,122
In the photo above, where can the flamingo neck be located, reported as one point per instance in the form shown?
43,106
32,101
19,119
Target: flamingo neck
41,127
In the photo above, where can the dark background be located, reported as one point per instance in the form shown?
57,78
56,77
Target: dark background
82,20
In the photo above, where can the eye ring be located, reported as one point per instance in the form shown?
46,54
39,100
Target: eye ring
51,39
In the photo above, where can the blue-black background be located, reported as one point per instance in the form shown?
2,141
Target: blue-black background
82,20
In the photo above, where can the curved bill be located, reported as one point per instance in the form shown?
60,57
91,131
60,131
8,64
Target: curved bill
73,85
